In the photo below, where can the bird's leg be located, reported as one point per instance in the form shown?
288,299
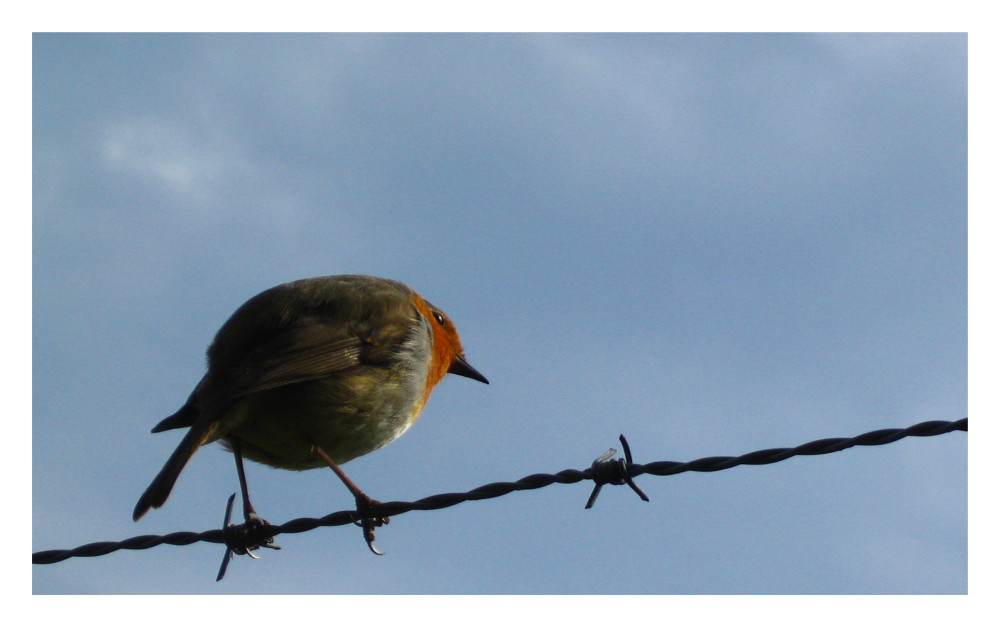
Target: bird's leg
250,517
355,490
245,538
248,509
364,503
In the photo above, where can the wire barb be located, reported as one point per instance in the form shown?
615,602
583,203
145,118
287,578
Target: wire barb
605,470
245,538
531,482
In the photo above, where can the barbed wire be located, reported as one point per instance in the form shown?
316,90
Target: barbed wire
604,471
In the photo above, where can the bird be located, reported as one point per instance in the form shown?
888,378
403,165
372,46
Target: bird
314,373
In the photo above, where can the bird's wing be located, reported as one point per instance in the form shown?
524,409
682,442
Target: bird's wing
308,353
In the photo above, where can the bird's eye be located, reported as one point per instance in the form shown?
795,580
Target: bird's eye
439,317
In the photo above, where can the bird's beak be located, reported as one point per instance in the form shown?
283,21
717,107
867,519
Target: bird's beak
462,368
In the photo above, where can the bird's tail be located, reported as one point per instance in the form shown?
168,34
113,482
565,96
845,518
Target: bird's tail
158,491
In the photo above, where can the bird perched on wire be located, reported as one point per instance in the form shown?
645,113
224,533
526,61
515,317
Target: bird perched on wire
314,373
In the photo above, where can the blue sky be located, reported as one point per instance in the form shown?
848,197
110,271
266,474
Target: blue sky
711,243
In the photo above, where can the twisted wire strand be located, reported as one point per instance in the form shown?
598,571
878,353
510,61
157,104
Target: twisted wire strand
531,482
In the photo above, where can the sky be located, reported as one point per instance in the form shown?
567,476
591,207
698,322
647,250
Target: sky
713,244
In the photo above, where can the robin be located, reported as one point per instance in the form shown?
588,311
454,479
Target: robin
314,373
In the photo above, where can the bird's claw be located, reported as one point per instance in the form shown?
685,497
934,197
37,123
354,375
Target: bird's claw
367,520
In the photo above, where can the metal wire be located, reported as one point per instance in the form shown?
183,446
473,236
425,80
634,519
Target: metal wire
531,482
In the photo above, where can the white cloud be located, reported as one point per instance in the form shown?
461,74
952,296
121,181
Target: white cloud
166,153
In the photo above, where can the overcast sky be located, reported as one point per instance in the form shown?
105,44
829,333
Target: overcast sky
713,244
